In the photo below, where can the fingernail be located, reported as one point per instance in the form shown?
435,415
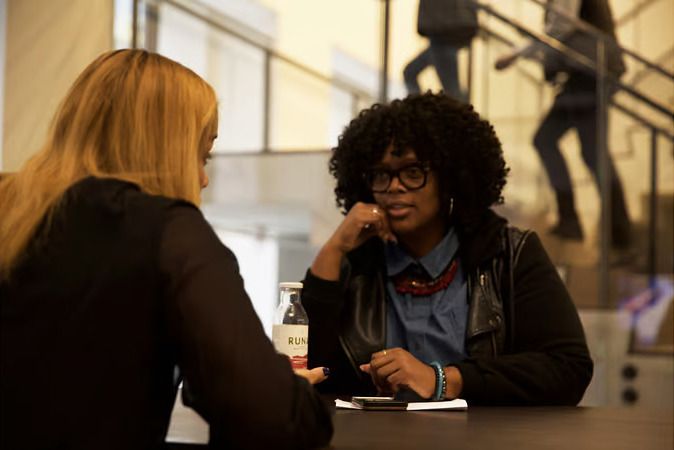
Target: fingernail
326,371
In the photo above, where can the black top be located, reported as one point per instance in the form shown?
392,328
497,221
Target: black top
453,22
121,289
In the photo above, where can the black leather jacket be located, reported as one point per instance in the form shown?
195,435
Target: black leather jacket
363,325
348,321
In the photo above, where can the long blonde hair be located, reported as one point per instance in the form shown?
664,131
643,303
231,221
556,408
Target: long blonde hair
131,115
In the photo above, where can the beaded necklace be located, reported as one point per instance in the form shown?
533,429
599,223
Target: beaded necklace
420,285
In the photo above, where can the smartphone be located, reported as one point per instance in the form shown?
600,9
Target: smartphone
379,403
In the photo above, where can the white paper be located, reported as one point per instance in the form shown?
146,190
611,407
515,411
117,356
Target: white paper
346,405
455,405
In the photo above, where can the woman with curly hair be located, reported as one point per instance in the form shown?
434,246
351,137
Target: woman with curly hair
424,291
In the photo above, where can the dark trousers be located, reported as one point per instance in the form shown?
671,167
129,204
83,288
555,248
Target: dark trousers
576,107
443,57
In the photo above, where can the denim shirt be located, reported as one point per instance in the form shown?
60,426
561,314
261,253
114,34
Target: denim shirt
432,327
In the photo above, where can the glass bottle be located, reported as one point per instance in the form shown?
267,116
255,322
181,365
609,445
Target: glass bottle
290,331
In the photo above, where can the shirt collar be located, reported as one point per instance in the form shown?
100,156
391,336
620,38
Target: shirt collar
434,262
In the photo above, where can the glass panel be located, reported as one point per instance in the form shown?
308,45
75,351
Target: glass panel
307,111
309,31
234,68
516,101
300,106
258,264
123,24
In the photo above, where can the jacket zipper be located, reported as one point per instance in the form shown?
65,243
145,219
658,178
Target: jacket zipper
492,333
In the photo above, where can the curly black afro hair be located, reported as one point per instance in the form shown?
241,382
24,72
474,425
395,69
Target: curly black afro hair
462,149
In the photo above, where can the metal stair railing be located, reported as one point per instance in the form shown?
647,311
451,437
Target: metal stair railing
488,33
655,131
642,74
579,58
634,12
599,34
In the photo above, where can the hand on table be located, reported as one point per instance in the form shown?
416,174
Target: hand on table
395,369
315,375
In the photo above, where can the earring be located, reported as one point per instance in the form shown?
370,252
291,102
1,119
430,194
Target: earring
451,205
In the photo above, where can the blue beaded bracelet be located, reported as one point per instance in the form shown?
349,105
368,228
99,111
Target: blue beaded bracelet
440,381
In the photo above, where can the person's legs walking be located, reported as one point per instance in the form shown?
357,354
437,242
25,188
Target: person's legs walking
586,123
445,59
546,141
414,68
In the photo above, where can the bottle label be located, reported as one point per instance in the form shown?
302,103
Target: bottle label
293,341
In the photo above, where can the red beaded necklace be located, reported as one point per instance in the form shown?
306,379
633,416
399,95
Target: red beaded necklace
407,283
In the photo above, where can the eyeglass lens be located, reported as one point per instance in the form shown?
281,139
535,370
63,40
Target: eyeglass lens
412,177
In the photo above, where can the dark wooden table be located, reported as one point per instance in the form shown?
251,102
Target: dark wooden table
506,428
547,428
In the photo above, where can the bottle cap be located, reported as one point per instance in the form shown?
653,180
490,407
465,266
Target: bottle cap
291,284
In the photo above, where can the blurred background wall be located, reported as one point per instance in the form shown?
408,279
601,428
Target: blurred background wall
47,44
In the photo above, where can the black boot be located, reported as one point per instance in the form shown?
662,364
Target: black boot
568,225
568,229
621,228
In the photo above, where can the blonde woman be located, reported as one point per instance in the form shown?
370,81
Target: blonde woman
110,278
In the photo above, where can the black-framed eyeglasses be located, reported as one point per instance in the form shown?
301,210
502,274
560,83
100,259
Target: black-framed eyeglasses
412,176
